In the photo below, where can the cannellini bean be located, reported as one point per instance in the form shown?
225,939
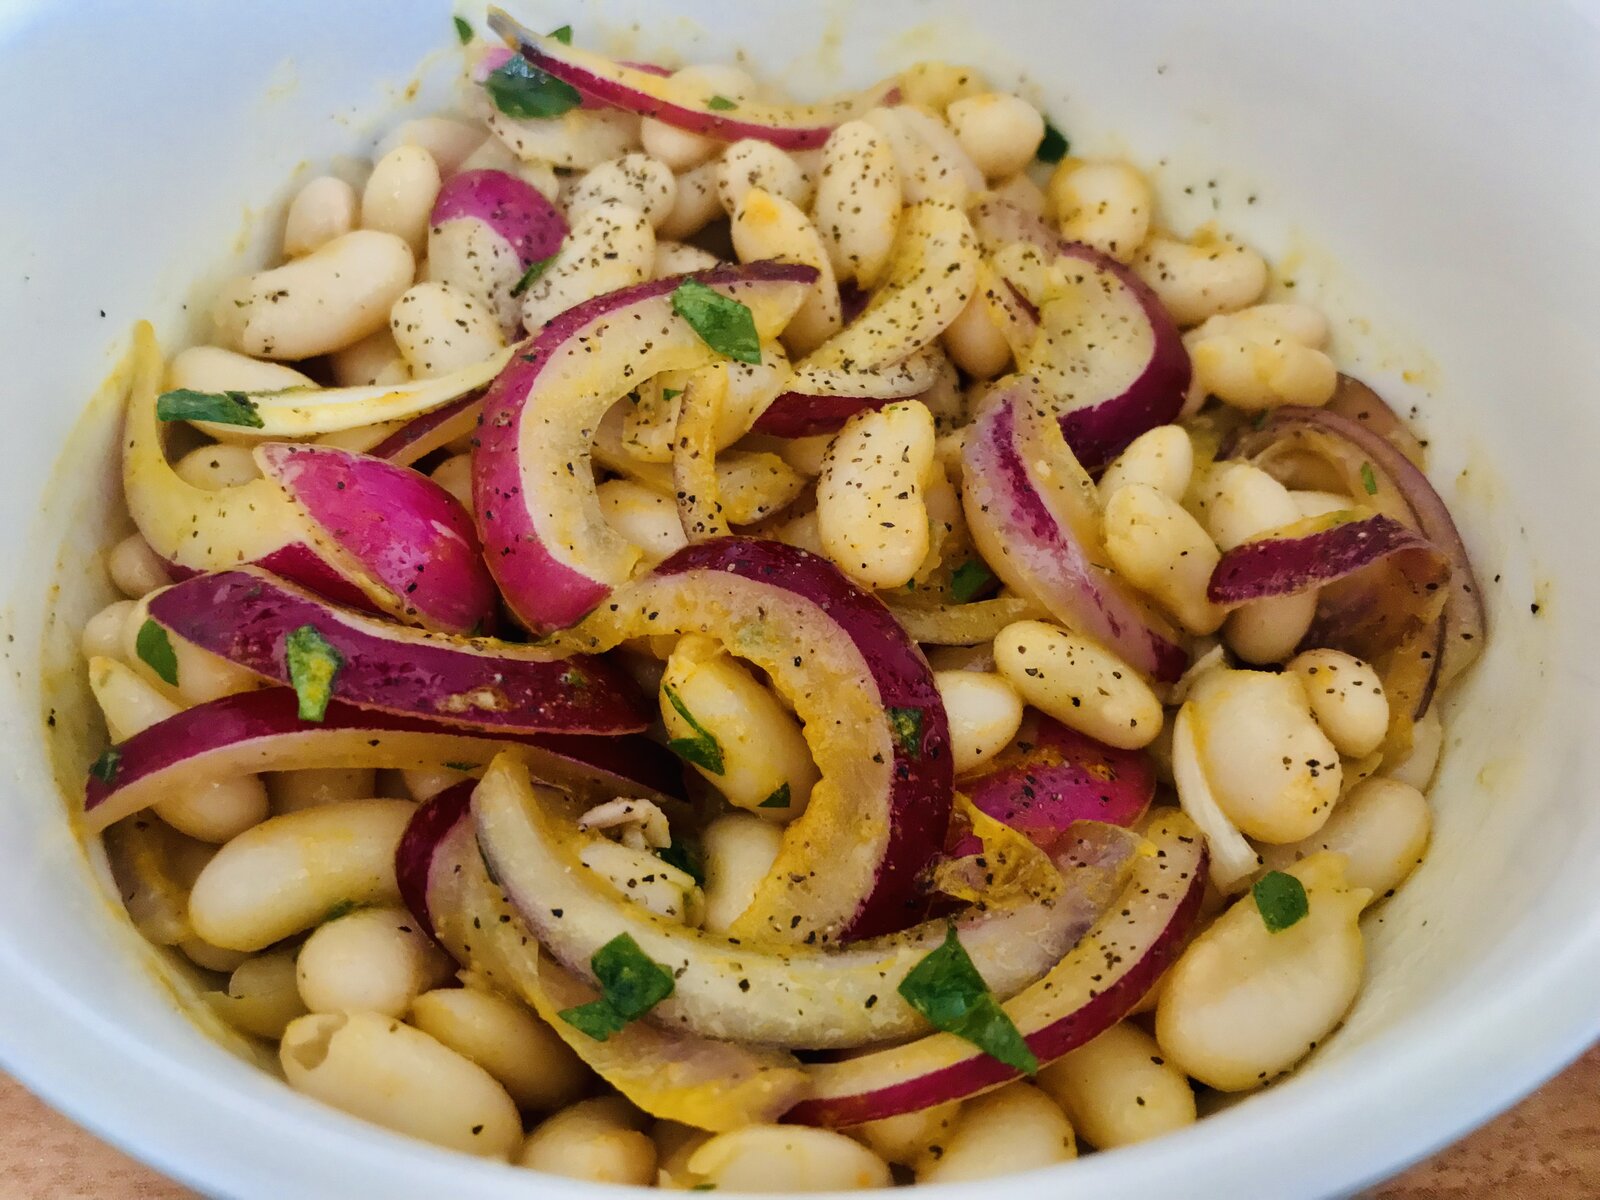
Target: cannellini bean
675,1146
975,342
375,1068
129,702
1106,205
636,180
214,369
375,359
439,329
801,531
1017,1128
645,879
399,195
984,712
858,202
644,516
1418,764
680,258
289,872
1346,697
870,508
201,675
372,960
937,85
739,851
929,161
1319,504
522,1053
1022,192
1080,684
1244,1004
261,997
1260,373
448,141
1117,1089
752,163
1196,280
611,246
330,299
1270,630
998,131
1162,458
136,569
325,208
1273,771
574,141
424,783
787,1158
494,155
212,958
454,475
596,1140
312,787
1294,322
1381,827
769,226
910,1137
219,465
697,203
766,765
102,635
679,148
806,454
1158,547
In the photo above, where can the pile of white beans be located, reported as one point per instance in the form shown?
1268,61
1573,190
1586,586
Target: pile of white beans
285,884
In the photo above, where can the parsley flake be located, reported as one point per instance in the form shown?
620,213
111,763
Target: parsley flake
154,649
531,275
631,984
220,408
671,393
1369,480
1281,900
462,766
685,855
701,749
946,989
313,665
723,323
105,767
463,30
721,104
907,726
562,35
1053,146
342,909
970,580
778,799
519,89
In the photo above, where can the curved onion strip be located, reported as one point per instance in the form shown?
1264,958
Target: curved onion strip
262,731
1233,859
1318,551
669,1073
1355,401
1088,991
964,624
694,461
245,616
421,436
834,396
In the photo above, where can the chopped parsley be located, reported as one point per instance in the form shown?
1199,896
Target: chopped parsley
154,649
778,799
721,104
970,580
531,275
313,665
684,855
574,678
1281,900
671,393
462,766
630,986
463,30
105,767
723,323
220,408
907,726
1369,480
946,989
701,749
562,35
519,89
342,909
1053,146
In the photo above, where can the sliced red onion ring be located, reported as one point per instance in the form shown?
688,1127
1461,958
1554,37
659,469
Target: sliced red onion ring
518,213
421,436
1316,552
795,414
1357,402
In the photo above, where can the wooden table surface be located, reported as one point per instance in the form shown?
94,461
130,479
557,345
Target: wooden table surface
1548,1148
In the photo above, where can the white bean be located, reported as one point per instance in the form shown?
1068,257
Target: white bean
471,257
636,180
1106,205
752,163
858,202
289,872
375,359
929,161
1295,322
1022,192
908,1138
102,635
998,131
1274,772
595,1140
766,766
1117,1089
1270,630
937,85
696,204
574,141
675,1146
136,569
975,342
1346,697
375,1068
787,1158
680,258
739,851
1417,765
1080,684
1243,1004
448,141
523,1053
984,712
261,997
439,329
639,875
330,299
312,787
1158,547
1260,373
1199,280
1017,1128
325,208
454,475
678,148
1381,827
214,369
870,508
611,246
219,465
424,783
371,960
1319,504
766,226
399,196
212,958
1162,457
644,516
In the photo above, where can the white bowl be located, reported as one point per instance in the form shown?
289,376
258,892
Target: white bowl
1425,170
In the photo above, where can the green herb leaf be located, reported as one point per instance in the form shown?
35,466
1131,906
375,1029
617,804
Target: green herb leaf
342,909
221,408
519,89
1281,900
154,649
671,393
1369,480
971,579
723,323
701,749
1053,146
462,766
778,799
313,666
704,1187
907,726
630,986
946,989
1259,421
531,275
562,35
463,30
721,104
684,855
574,678
105,767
